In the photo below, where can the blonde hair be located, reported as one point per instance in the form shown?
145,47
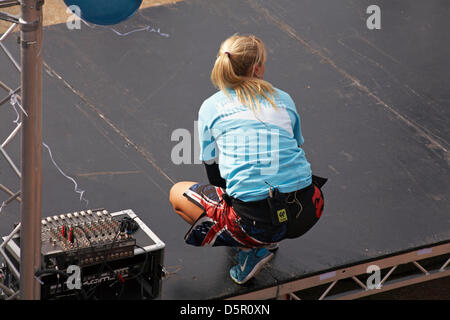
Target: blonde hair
234,67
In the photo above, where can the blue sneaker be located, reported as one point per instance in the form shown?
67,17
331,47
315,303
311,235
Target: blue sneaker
273,247
249,263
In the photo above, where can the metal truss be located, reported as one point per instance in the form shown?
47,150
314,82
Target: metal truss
415,266
13,97
7,293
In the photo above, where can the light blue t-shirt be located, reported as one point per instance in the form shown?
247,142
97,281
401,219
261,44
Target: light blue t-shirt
254,149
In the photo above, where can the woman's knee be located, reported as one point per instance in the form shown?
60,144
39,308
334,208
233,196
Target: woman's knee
181,205
177,191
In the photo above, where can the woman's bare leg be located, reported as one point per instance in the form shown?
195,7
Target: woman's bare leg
185,208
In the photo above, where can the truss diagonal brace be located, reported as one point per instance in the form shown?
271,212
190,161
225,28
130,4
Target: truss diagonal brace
10,162
9,3
8,17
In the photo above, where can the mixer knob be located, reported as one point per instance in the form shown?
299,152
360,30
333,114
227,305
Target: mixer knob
62,216
82,213
69,215
89,212
55,218
76,214
44,222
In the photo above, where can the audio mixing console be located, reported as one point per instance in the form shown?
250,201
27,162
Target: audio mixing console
118,255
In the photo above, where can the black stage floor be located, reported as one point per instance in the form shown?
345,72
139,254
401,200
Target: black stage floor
375,116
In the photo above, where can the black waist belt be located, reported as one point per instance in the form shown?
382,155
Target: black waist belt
261,211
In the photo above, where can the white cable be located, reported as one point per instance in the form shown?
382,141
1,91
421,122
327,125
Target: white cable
146,28
77,190
14,102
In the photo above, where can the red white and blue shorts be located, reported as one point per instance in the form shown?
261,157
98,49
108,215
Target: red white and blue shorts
220,225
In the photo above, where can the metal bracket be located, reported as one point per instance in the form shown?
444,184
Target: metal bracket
28,26
26,44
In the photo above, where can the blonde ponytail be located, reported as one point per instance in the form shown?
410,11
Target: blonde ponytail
233,69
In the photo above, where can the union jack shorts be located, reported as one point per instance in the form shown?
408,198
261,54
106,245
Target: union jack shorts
220,225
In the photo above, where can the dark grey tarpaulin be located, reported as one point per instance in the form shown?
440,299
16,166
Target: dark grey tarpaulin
374,106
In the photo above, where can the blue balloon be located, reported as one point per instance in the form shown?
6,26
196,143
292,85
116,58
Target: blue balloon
105,12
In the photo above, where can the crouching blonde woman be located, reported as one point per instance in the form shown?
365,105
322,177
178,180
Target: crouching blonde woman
261,189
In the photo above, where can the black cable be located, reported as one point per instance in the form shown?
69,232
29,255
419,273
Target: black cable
42,272
128,225
58,273
140,273
81,291
103,265
143,265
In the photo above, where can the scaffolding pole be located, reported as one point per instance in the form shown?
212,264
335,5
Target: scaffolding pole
31,182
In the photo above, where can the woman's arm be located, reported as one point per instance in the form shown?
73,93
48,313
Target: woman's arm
213,173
